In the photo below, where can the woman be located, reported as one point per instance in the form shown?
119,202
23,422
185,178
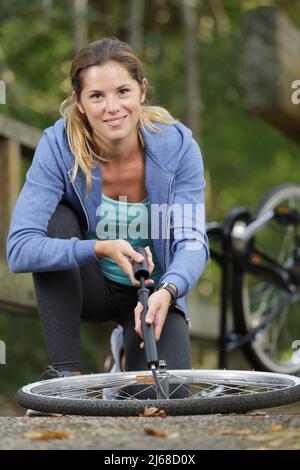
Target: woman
109,156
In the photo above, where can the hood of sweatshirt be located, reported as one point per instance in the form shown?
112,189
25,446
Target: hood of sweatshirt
166,147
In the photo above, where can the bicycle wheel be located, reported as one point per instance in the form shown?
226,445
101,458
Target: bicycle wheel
205,392
254,299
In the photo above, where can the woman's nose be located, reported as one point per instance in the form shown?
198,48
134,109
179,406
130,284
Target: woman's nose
112,104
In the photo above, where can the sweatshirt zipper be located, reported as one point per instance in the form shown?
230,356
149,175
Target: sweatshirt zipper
167,222
81,203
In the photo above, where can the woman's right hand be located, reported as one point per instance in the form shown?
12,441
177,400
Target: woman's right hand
123,254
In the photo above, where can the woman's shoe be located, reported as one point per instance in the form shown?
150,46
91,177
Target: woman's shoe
52,373
117,350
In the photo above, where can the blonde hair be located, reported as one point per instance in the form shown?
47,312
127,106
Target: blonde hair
78,129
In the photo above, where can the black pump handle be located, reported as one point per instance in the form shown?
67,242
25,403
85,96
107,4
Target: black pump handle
141,273
141,269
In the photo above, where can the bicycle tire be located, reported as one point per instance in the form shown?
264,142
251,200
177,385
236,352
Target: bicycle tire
255,350
225,392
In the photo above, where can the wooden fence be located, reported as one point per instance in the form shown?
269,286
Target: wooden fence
17,142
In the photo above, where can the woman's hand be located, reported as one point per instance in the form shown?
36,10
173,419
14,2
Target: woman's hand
158,307
123,254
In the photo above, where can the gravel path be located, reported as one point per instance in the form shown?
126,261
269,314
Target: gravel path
251,431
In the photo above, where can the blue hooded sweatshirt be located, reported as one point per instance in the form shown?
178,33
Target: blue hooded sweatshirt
174,179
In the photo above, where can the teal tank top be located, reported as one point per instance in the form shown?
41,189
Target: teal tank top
127,221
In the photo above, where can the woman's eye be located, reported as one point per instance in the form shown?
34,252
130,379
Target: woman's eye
124,91
96,96
99,96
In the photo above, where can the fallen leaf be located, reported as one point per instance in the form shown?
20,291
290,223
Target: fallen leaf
155,432
152,411
276,427
46,435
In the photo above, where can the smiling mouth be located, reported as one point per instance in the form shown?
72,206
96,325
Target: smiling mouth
115,122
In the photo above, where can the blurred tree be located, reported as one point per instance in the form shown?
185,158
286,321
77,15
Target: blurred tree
47,6
79,9
192,66
136,26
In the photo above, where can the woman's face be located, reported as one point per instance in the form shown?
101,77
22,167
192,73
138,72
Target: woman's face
111,100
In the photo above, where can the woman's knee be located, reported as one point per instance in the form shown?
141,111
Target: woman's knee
64,223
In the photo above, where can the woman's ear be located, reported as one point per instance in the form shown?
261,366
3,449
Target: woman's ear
74,96
144,90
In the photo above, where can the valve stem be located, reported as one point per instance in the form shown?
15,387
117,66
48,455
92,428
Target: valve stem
161,380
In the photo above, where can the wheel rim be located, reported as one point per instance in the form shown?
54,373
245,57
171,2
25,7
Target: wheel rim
273,344
231,382
202,384
213,392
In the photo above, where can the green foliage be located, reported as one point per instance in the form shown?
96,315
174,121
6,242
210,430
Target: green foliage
36,53
36,56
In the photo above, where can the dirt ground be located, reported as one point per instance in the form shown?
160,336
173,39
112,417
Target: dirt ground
277,428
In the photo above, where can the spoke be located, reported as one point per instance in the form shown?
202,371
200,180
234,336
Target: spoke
182,387
206,388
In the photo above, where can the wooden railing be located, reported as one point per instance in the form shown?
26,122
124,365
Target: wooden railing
17,142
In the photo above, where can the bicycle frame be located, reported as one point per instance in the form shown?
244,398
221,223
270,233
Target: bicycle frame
237,237
223,233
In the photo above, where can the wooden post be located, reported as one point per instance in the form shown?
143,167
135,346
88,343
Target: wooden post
17,142
10,180
270,63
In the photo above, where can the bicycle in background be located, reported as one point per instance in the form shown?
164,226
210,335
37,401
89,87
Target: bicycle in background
259,257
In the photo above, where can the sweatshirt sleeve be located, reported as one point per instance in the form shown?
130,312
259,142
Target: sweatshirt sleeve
189,243
28,247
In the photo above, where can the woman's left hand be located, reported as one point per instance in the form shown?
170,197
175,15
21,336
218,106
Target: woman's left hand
158,307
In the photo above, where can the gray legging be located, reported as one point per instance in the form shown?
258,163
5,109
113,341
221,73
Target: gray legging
65,298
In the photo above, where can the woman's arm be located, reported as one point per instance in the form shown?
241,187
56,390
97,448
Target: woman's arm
28,247
189,247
